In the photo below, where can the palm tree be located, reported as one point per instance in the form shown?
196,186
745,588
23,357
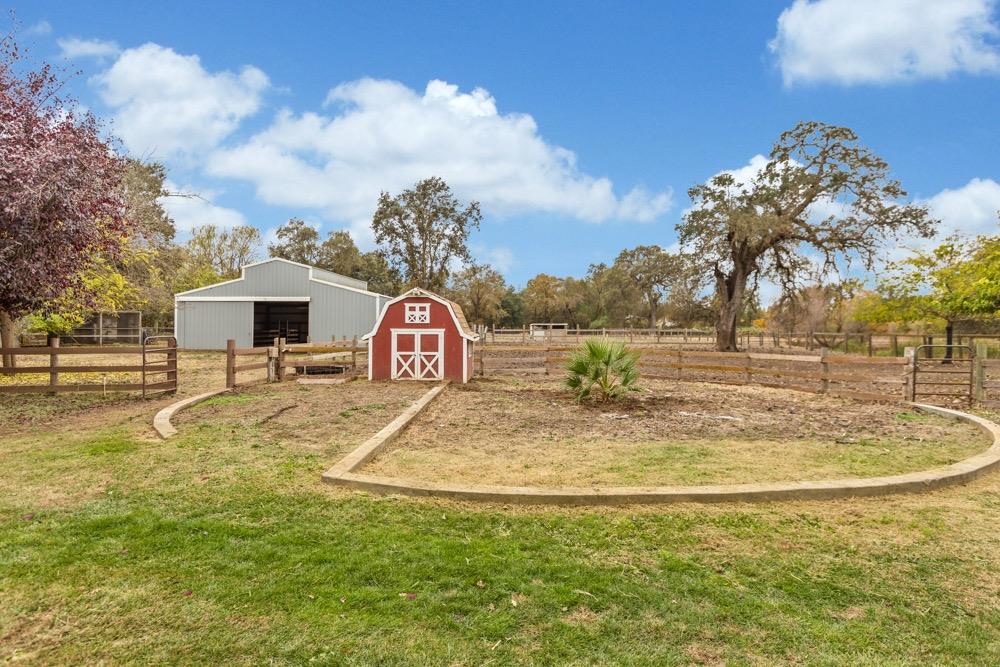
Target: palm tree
602,368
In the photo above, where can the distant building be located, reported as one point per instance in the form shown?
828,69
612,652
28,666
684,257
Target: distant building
275,298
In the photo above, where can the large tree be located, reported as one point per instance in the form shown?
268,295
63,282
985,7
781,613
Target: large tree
225,250
297,242
480,289
612,297
541,297
653,270
339,253
61,204
424,230
820,191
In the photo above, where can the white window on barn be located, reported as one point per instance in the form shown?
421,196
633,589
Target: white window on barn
418,313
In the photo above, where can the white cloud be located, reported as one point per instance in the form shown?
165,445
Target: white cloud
381,135
500,258
879,41
196,210
969,210
168,104
74,47
40,28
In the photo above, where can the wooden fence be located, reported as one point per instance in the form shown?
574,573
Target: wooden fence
870,344
848,376
155,365
342,357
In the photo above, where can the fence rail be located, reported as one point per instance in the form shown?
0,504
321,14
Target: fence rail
156,367
342,357
848,376
869,344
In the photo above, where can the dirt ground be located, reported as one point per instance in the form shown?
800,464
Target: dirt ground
326,420
518,431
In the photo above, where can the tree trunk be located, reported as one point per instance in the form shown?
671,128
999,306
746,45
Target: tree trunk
725,326
653,303
7,338
949,335
729,290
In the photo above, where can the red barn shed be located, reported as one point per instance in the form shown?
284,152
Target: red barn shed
420,336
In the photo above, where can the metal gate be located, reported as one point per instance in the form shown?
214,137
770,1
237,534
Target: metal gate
944,377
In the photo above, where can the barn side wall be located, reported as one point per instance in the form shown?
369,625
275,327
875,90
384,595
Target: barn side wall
339,313
395,318
207,325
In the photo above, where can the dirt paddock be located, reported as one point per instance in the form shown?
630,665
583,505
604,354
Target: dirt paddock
529,431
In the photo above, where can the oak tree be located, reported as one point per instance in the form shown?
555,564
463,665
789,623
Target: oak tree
820,191
480,289
653,270
297,242
424,230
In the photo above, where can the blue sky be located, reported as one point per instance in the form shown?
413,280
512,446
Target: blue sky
579,125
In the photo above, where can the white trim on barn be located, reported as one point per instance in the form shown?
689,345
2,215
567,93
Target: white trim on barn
369,359
416,291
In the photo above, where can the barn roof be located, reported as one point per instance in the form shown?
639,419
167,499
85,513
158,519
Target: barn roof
456,311
311,274
463,323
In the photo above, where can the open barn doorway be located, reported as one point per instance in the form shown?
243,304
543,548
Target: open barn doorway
280,319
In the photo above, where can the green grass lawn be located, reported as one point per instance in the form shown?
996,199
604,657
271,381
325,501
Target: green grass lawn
222,546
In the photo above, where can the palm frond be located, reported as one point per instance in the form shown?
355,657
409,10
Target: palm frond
605,366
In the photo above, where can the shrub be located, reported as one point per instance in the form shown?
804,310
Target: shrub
603,369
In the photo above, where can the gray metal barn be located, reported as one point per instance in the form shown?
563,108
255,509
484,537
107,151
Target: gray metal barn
275,298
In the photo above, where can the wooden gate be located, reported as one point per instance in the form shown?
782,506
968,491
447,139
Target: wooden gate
949,376
154,362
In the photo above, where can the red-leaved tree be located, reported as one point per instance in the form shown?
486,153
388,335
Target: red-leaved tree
61,201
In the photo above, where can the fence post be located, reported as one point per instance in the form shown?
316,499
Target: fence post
746,366
680,362
230,363
871,346
894,341
909,385
53,363
272,358
281,342
354,354
929,352
172,364
979,373
482,362
824,368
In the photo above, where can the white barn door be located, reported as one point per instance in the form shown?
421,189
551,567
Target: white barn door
417,354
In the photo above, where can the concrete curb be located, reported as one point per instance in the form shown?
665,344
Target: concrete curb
373,445
956,473
161,422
